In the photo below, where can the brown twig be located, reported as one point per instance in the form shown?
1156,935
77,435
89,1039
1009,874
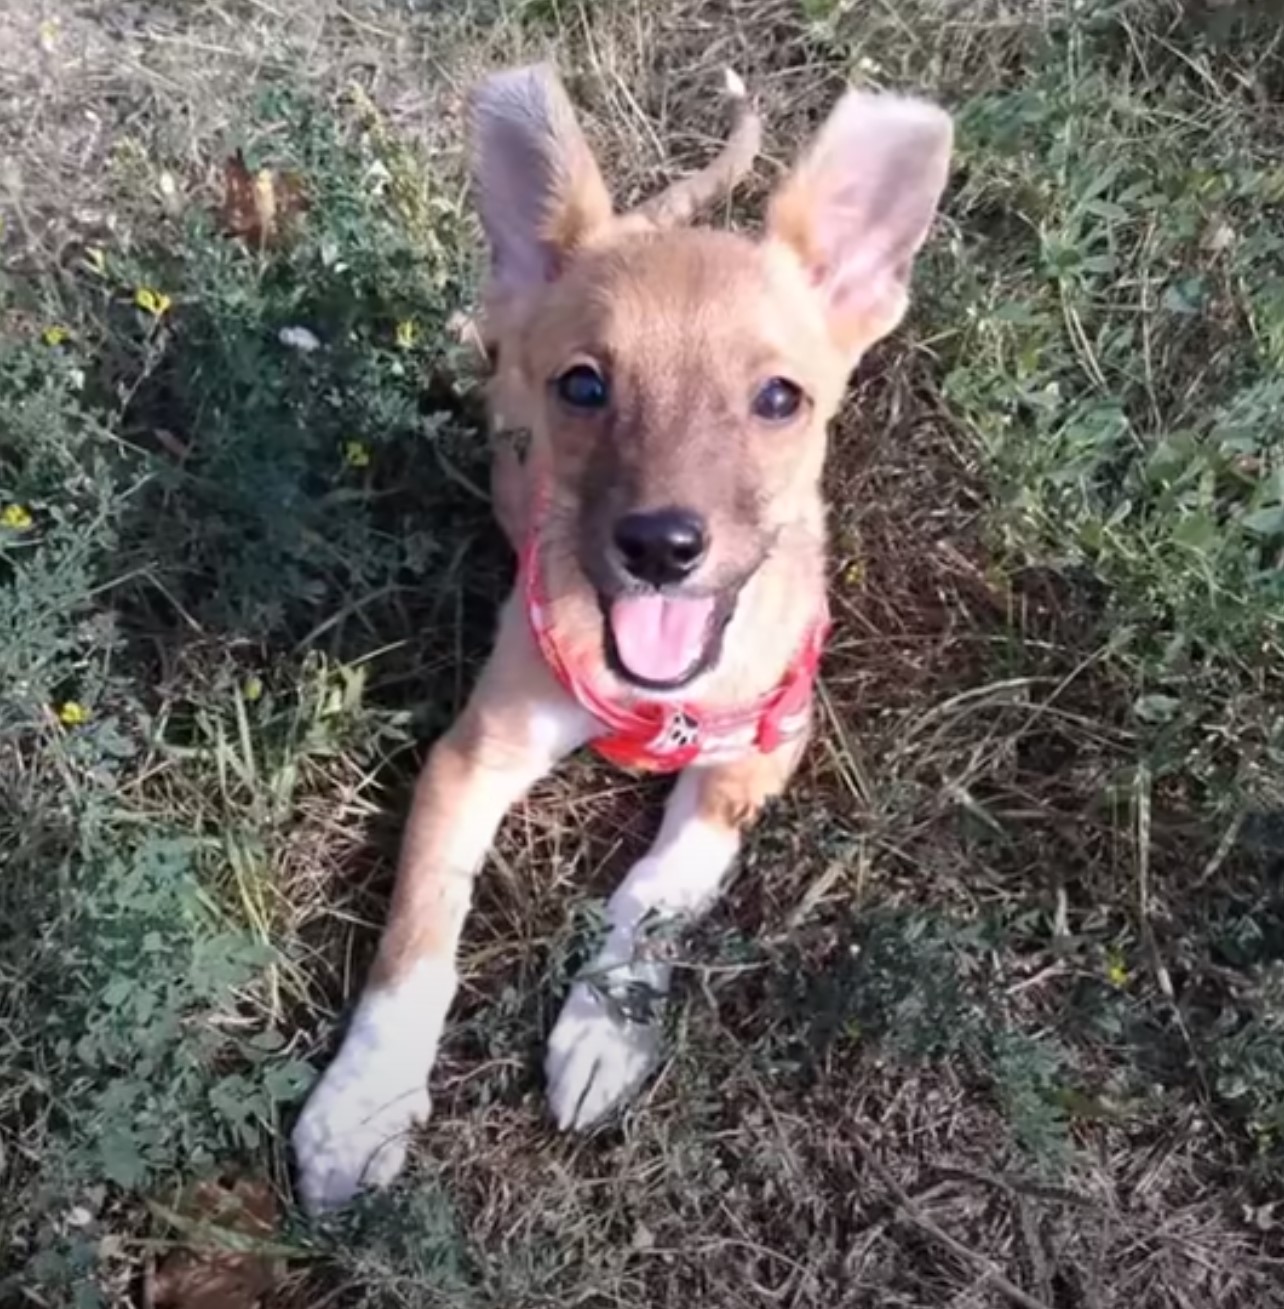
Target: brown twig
1015,1185
679,203
911,1213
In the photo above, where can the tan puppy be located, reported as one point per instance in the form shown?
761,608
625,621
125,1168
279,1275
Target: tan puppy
670,605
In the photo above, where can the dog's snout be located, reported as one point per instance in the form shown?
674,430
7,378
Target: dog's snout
661,547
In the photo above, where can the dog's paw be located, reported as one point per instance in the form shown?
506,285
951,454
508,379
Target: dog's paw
354,1132
355,1128
600,1052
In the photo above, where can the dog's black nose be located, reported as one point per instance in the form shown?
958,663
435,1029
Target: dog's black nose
662,547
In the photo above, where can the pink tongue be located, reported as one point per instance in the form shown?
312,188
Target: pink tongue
658,638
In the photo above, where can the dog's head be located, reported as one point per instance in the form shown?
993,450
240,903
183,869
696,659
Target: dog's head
677,383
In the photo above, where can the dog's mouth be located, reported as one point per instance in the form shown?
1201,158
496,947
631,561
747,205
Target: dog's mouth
662,641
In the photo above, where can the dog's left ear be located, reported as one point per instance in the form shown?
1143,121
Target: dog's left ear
858,206
538,187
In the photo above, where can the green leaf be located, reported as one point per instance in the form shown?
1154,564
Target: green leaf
1156,708
1264,522
122,1161
285,1082
1197,531
1186,296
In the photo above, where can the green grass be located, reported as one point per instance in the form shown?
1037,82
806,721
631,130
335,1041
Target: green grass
1004,968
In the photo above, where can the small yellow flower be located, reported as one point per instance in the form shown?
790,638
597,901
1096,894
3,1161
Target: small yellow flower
16,517
1116,969
252,691
407,333
72,713
356,454
54,334
153,302
48,33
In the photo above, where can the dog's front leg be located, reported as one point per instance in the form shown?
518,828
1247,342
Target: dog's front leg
607,1037
517,725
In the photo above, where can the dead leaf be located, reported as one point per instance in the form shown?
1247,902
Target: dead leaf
227,1260
258,207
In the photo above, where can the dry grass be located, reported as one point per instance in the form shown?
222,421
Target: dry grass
950,1040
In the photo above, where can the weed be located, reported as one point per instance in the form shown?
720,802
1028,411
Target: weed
1117,361
184,481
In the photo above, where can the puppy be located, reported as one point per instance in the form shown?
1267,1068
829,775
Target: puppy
670,607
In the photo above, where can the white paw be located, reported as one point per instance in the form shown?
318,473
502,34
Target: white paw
597,1055
354,1131
355,1128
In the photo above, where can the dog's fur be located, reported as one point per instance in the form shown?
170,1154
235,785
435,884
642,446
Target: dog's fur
687,325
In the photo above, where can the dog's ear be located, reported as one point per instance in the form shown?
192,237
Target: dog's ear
858,206
538,187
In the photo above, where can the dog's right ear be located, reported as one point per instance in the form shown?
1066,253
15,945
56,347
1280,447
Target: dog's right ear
538,187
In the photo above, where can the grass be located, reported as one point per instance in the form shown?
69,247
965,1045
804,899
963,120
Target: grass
993,1008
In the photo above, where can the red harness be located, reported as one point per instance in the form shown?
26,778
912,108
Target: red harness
664,736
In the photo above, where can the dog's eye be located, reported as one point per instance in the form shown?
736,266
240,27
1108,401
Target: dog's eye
777,400
582,387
